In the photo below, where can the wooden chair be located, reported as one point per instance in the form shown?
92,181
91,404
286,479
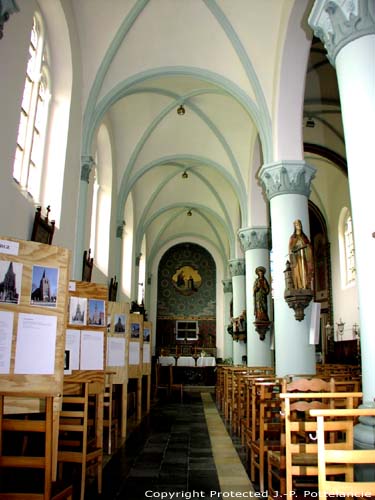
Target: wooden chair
110,421
341,454
265,427
219,387
298,467
276,458
76,446
26,455
175,386
162,380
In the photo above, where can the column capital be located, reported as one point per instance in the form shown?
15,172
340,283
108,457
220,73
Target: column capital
87,162
339,22
287,177
255,237
237,267
228,287
120,229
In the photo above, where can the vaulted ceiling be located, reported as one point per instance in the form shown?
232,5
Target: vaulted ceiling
220,61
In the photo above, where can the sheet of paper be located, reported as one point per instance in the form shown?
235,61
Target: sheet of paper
115,351
146,353
73,344
92,345
134,353
9,247
6,334
36,344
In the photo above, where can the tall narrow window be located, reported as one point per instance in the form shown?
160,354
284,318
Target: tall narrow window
349,249
28,163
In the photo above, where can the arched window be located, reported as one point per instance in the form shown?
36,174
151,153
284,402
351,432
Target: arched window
28,163
347,250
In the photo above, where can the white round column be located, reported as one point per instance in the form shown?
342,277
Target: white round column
347,30
287,186
237,271
255,243
228,341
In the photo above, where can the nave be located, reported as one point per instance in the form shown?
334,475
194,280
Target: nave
178,448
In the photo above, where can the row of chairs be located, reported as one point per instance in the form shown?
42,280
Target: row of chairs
272,416
83,422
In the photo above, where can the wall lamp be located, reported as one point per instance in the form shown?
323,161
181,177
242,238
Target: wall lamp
340,327
310,123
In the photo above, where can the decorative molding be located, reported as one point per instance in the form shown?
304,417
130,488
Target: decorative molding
228,287
120,229
255,238
87,162
237,267
7,7
287,177
339,22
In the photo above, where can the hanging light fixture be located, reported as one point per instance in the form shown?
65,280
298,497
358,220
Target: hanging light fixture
181,110
189,213
185,175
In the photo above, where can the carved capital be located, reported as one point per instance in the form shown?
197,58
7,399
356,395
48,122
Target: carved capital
7,7
237,267
228,287
287,177
339,22
255,237
87,162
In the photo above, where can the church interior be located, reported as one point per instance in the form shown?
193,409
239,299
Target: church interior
186,207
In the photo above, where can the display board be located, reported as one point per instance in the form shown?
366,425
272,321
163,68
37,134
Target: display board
33,304
135,345
118,352
147,343
117,348
86,327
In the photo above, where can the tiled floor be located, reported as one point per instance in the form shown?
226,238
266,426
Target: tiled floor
178,448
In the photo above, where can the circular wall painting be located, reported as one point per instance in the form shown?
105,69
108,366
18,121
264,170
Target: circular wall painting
186,280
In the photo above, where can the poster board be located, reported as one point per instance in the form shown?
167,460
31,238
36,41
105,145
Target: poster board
33,304
86,328
135,345
147,343
118,341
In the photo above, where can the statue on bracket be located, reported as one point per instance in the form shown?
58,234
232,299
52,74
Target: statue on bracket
261,290
299,272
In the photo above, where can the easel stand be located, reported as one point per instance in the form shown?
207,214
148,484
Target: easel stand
32,322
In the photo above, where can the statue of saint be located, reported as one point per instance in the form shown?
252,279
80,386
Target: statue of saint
301,258
261,289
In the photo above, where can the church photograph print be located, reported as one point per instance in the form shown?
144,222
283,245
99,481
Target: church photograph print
10,281
44,286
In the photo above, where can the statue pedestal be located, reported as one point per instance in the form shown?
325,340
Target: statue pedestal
298,299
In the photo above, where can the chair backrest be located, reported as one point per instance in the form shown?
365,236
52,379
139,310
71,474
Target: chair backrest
300,396
341,453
